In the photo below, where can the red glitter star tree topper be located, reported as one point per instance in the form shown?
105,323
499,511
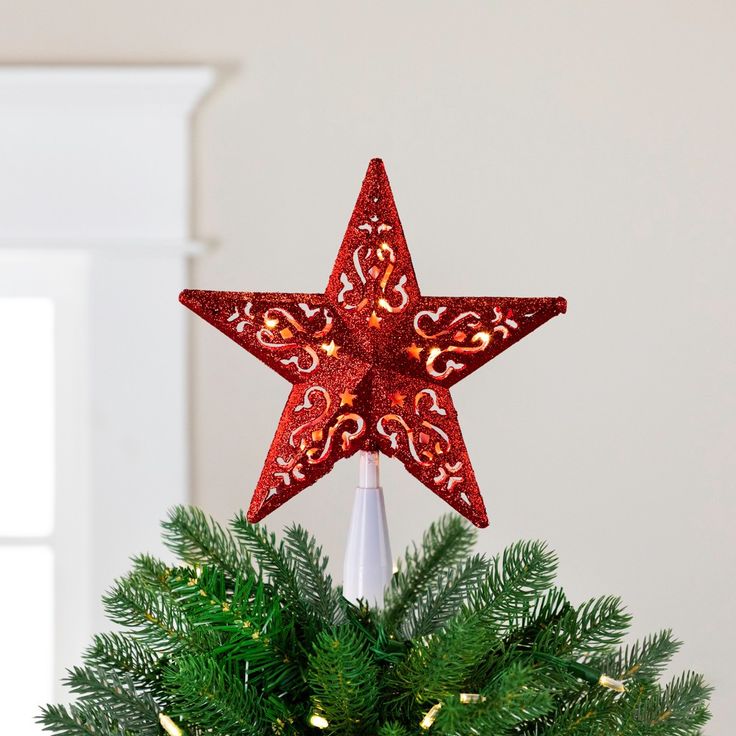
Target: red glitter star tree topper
371,360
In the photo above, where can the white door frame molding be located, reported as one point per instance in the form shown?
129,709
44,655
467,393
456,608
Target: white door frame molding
96,180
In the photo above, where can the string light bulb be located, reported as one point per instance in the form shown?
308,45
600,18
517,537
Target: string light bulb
318,721
471,698
430,716
169,726
612,684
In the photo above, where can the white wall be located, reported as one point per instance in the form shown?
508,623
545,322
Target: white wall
580,148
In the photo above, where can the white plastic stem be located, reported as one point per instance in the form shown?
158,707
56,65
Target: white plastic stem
368,563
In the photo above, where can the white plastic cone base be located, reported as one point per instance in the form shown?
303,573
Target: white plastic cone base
368,563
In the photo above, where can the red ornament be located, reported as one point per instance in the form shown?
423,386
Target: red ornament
371,360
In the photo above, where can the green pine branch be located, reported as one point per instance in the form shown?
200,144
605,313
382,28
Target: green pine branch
203,691
116,694
516,581
309,566
120,652
394,729
248,624
199,540
151,573
679,709
435,608
596,627
445,545
248,635
151,615
272,561
81,719
594,712
642,660
344,682
514,696
440,665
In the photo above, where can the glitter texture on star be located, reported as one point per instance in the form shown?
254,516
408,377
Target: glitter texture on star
371,360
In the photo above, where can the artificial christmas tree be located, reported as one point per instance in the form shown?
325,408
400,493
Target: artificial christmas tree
248,636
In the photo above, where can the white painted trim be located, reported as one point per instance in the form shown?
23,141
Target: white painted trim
95,185
99,87
101,246
97,153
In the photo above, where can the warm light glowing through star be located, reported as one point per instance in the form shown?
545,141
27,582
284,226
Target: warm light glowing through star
374,320
330,348
346,398
414,351
397,398
371,360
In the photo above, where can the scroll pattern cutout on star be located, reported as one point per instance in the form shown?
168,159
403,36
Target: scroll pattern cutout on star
374,281
429,445
313,440
295,333
464,334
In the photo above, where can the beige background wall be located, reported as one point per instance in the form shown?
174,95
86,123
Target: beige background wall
577,148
